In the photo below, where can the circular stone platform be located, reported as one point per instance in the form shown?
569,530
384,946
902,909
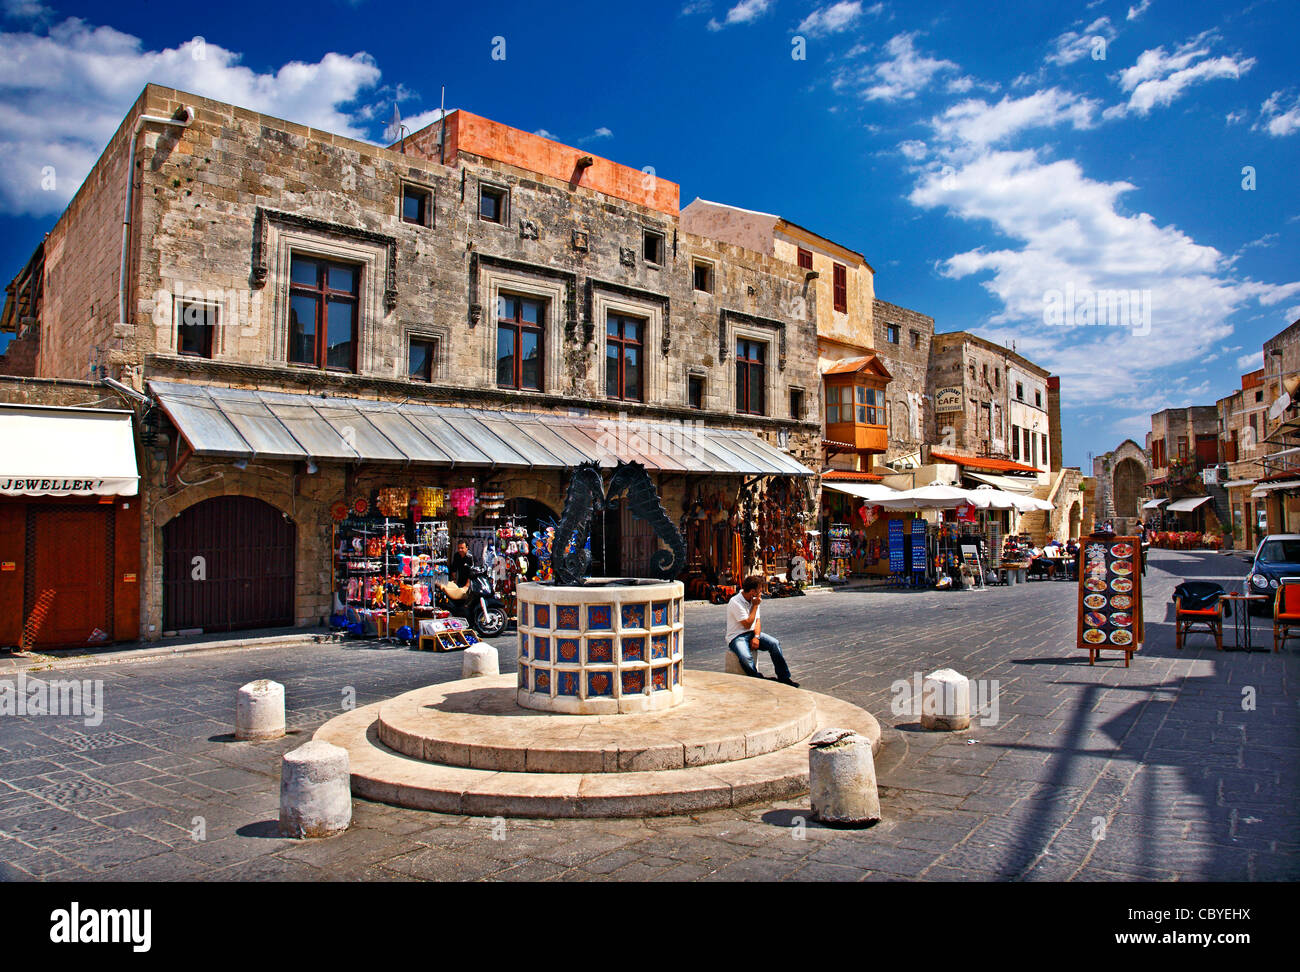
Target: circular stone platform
486,728
466,747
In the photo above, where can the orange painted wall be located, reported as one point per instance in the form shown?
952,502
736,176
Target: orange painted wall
480,136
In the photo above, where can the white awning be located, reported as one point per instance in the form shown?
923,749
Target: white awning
1263,489
1183,505
1011,484
52,451
867,491
1237,483
1154,504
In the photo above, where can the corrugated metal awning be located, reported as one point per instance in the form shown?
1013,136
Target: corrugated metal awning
57,451
1185,505
247,424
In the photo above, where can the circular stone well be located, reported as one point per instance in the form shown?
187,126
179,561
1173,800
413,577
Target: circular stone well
610,646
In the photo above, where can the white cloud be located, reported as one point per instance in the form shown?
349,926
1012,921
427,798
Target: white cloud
1075,45
1235,117
62,96
913,149
545,134
424,118
977,123
833,19
1276,119
905,73
1068,233
745,12
26,10
1135,12
1157,79
1251,362
599,133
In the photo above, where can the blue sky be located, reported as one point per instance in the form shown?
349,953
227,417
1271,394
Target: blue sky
1003,166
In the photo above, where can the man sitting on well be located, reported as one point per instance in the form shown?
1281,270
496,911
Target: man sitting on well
745,632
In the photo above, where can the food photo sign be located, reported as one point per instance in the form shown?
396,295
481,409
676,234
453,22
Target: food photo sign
1110,595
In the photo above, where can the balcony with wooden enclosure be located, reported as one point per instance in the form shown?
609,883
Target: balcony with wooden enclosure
855,404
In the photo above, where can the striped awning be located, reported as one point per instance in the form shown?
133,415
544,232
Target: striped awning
248,424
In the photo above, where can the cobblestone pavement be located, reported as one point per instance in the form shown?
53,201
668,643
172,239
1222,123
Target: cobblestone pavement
1183,766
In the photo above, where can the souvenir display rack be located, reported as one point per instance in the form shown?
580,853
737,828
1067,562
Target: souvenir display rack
839,537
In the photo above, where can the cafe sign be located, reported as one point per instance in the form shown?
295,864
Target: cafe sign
947,399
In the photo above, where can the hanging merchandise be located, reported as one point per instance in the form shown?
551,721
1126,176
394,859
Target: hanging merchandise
429,499
393,502
492,501
462,500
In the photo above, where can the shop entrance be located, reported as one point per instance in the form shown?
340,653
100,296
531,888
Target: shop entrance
227,565
70,550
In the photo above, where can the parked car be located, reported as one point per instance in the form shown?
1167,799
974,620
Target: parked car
1277,556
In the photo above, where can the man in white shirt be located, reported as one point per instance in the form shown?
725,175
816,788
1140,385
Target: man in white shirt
745,632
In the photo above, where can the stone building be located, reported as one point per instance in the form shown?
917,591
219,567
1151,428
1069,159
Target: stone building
903,340
280,281
856,383
1121,478
1183,444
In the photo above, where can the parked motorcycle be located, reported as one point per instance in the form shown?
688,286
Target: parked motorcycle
480,606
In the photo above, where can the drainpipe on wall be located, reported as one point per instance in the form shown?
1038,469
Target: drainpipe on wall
184,118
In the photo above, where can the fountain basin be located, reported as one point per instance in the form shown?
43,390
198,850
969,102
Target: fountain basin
613,645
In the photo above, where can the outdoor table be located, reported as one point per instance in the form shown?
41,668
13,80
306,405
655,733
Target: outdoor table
1241,626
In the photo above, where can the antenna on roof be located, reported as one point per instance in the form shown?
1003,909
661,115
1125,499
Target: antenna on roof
442,127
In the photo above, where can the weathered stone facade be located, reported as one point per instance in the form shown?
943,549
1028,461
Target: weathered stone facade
903,340
222,205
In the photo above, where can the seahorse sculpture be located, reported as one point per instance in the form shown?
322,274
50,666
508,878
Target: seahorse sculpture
569,554
631,478
586,494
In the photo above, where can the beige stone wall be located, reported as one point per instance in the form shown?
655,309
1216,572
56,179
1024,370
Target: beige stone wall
911,416
82,256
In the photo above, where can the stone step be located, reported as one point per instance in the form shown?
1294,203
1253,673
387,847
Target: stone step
379,773
477,723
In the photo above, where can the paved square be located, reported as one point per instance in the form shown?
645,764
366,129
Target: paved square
1184,766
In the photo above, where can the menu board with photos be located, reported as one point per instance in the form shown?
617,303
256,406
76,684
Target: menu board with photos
1110,595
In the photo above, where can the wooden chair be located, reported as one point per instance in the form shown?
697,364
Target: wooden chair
1204,611
1286,610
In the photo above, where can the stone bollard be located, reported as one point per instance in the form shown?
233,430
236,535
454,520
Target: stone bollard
733,664
315,791
480,659
259,710
842,778
945,701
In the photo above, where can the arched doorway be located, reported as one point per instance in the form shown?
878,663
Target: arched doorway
1128,480
228,564
1075,520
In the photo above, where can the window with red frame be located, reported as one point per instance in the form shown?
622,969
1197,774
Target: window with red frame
841,288
623,338
805,259
520,323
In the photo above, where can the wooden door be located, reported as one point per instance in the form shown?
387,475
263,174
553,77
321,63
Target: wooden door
70,551
228,563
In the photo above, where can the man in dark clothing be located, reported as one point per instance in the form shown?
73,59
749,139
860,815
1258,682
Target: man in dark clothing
460,568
